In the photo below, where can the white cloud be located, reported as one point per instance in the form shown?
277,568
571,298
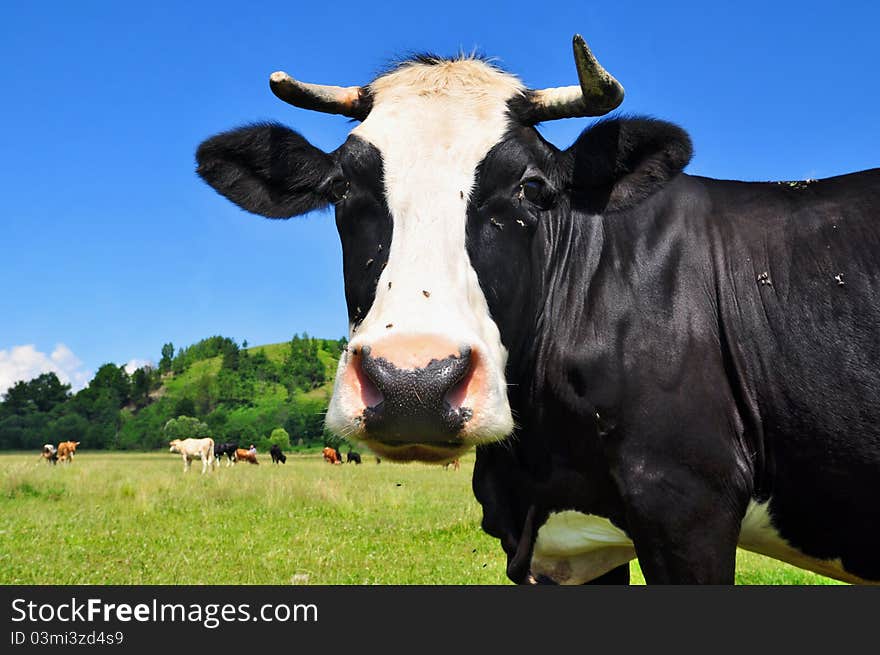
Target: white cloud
136,363
26,362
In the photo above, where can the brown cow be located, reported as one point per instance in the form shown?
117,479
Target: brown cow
330,456
244,455
455,464
66,451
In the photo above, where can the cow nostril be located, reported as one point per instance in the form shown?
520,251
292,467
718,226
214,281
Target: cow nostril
370,394
457,393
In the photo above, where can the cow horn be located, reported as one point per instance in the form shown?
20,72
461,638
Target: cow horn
351,101
597,94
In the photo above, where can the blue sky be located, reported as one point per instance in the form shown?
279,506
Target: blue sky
110,245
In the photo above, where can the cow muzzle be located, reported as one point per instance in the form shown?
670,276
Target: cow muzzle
412,397
416,404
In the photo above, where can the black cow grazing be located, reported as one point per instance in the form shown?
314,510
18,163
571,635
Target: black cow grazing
228,448
278,457
353,456
693,364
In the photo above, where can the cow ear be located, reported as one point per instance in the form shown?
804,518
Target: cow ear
266,169
618,163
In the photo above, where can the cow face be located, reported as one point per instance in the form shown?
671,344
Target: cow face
423,377
440,173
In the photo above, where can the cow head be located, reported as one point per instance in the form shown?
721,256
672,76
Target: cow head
437,194
175,446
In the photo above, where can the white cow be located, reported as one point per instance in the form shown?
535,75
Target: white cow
194,449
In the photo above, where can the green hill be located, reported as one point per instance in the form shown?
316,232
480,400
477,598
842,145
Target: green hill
229,391
272,404
244,394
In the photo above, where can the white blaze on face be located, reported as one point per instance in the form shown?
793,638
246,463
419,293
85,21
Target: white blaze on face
433,125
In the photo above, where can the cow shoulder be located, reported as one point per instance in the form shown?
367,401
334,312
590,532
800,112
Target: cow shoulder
618,163
266,169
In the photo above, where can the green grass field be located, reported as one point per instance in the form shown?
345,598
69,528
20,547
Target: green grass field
125,518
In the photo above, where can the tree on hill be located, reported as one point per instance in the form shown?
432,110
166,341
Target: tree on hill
185,406
234,389
335,347
302,369
204,349
261,368
231,356
40,394
104,420
167,357
178,364
143,381
113,378
145,430
279,437
305,420
186,427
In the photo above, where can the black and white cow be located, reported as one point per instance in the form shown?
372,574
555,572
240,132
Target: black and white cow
227,448
650,364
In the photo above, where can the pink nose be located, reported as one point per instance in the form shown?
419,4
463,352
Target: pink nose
413,351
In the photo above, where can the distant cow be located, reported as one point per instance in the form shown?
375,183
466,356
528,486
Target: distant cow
455,464
353,457
228,448
192,449
331,455
66,451
243,455
278,457
50,454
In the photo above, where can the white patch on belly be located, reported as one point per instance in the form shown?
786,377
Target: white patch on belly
574,548
758,535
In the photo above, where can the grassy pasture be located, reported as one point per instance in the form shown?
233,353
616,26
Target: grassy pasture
135,518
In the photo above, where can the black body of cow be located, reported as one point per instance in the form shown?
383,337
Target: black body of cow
691,345
228,449
352,456
278,457
679,348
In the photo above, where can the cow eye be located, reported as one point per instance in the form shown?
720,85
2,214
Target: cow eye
535,190
337,190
